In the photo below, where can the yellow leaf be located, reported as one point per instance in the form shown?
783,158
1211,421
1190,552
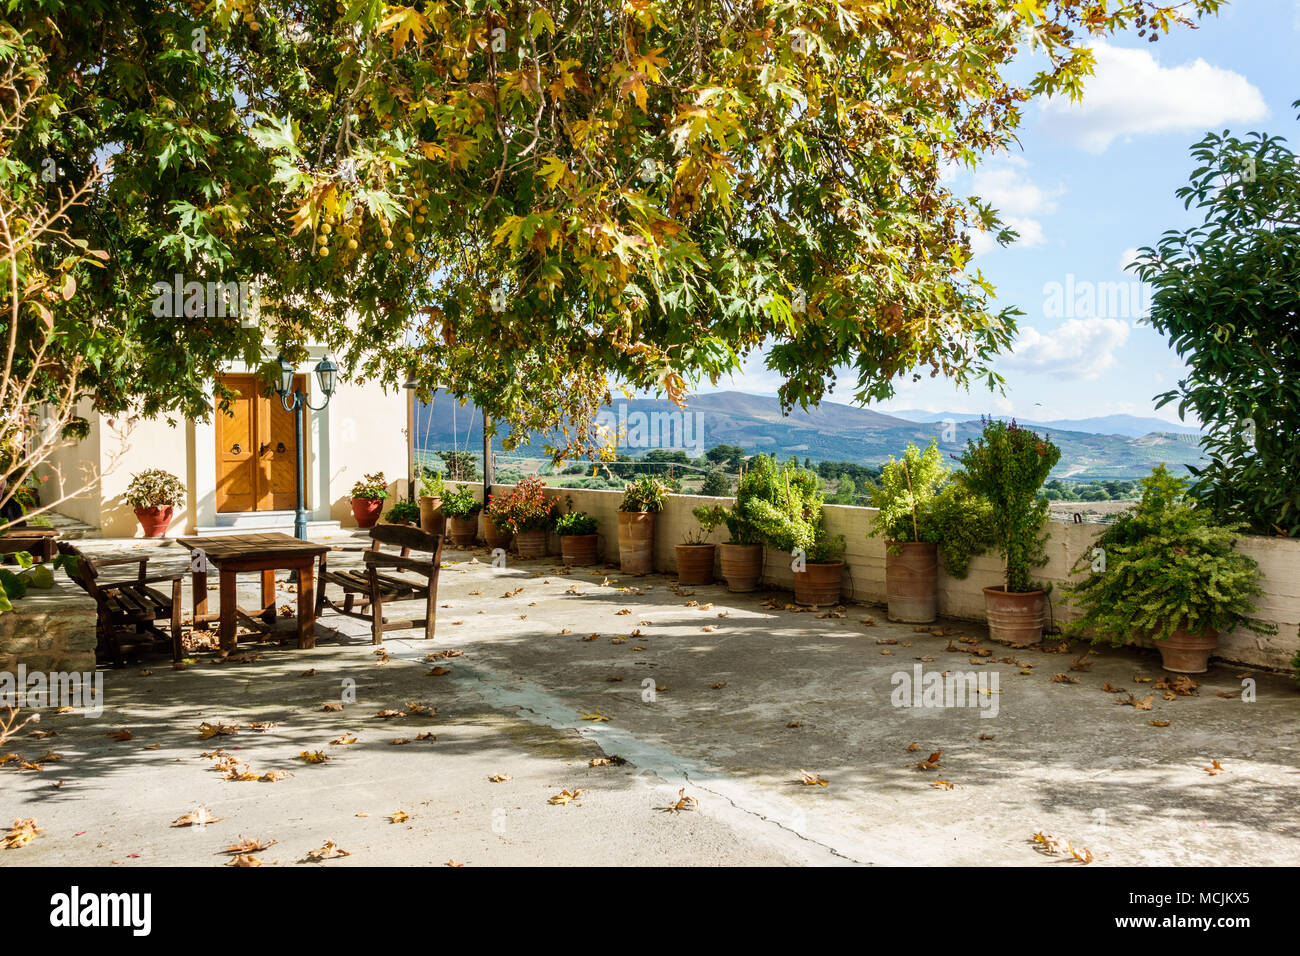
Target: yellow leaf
406,23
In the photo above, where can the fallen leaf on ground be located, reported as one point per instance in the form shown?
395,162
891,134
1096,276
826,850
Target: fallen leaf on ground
329,851
812,780
931,762
500,777
21,833
565,797
196,818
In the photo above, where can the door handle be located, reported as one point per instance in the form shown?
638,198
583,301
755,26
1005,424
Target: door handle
279,448
262,450
235,449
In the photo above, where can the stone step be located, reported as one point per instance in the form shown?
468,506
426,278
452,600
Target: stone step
70,529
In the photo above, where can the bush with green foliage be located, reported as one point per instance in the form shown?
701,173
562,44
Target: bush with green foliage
1226,293
1168,567
461,503
154,488
575,522
1007,466
432,485
403,512
717,484
920,499
645,493
15,584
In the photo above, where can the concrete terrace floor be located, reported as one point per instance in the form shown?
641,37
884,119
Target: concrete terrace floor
748,694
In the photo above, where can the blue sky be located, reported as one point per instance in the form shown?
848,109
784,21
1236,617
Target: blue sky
1091,183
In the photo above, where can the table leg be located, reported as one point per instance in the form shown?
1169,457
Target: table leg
268,596
229,599
307,605
199,582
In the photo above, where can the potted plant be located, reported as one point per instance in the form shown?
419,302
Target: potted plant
791,518
403,512
1164,570
741,556
461,508
154,494
368,496
643,498
432,488
525,513
579,543
1007,467
920,508
695,556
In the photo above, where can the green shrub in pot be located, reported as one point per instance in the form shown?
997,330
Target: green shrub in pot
1165,570
575,523
461,503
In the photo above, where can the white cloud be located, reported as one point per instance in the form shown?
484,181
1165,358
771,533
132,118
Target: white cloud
1019,201
1077,349
1131,93
1127,257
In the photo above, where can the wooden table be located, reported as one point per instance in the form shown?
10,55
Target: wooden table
41,543
267,553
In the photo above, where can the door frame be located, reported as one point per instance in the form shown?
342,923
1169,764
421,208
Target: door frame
317,465
264,406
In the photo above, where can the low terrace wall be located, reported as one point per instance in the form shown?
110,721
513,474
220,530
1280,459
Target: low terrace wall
864,558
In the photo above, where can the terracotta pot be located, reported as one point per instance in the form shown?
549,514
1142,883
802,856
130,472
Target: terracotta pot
1015,617
580,549
912,581
1184,653
463,531
431,517
742,566
531,544
695,563
819,583
493,536
636,542
367,511
154,520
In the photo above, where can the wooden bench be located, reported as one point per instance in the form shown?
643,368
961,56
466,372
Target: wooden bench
366,590
131,603
40,543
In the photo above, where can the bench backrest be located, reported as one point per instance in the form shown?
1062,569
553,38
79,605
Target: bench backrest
80,568
405,537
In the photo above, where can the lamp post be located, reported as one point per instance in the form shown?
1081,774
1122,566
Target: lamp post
411,477
295,401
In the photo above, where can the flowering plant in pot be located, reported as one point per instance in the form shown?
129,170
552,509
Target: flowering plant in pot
1164,570
643,498
432,488
526,513
368,496
579,543
1007,466
921,507
696,555
461,508
154,494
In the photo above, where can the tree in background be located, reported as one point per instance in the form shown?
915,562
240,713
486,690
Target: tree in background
728,456
1227,294
459,465
717,484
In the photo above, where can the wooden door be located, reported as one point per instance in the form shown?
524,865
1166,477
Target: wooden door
256,452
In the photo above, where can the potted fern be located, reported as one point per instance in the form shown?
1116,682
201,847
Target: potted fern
921,507
643,498
154,494
461,508
579,542
1164,570
1007,466
368,496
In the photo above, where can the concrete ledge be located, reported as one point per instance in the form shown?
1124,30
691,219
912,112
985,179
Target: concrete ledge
50,629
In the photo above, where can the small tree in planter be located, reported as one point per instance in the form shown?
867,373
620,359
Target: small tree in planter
527,514
643,498
922,507
695,555
432,488
154,494
741,556
579,542
790,518
461,508
403,512
1163,570
368,496
1007,467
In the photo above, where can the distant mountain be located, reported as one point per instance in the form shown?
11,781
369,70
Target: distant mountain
828,432
1131,426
